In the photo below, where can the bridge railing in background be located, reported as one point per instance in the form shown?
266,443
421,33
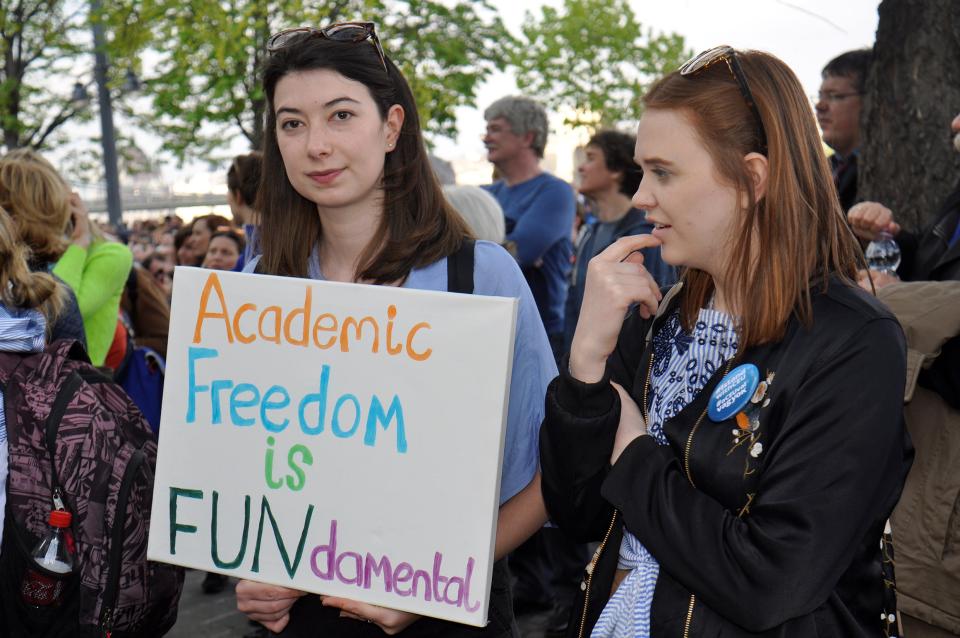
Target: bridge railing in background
159,202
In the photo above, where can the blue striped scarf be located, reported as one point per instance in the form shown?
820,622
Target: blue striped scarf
682,365
20,331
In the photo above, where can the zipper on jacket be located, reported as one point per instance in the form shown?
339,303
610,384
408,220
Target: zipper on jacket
108,623
693,430
686,451
686,625
590,569
686,466
112,590
587,233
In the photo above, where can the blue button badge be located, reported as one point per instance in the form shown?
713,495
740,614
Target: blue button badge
733,392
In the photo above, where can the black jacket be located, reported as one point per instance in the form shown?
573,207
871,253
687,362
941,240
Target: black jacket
785,543
845,180
928,257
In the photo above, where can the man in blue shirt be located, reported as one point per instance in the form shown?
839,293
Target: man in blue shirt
538,207
538,210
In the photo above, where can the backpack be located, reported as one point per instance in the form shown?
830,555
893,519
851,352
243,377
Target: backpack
141,375
77,442
460,268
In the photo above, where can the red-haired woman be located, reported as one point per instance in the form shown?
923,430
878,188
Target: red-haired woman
737,445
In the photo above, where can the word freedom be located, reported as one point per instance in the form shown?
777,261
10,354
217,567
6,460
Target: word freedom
244,404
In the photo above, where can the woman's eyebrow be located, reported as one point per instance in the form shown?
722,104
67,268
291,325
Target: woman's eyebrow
653,160
333,102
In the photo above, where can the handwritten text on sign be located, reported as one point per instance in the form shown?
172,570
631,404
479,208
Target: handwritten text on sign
334,438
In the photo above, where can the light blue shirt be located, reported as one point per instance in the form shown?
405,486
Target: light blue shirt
495,273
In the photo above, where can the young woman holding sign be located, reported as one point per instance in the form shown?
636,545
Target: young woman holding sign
347,194
737,445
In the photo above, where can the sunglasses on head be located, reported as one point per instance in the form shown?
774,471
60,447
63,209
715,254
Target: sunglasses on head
728,55
339,32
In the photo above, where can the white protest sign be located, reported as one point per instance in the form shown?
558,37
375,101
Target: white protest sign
335,438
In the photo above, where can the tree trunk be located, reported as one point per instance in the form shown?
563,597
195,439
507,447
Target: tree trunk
912,93
10,95
258,103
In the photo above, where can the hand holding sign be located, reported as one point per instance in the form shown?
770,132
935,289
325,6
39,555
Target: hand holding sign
616,279
391,621
267,604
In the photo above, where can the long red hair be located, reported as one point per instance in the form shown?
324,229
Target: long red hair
796,235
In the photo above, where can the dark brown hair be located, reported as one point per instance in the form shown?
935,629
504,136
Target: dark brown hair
795,234
417,228
180,237
213,222
243,177
617,149
852,64
233,236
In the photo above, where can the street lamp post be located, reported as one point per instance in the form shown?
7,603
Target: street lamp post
112,175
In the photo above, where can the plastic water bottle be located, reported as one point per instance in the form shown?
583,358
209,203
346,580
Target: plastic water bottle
883,254
53,560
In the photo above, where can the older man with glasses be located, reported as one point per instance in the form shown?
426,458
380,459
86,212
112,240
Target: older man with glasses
838,113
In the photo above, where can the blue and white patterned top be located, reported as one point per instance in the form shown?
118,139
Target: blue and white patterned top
20,331
682,365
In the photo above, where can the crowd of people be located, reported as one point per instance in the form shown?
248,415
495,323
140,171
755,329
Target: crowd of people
711,410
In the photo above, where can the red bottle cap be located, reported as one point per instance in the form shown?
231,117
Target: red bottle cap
60,518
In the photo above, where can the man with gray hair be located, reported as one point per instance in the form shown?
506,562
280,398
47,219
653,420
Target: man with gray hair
538,208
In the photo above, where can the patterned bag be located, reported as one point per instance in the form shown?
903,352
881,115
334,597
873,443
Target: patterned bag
77,442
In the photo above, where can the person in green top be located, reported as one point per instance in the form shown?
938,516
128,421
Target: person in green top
97,270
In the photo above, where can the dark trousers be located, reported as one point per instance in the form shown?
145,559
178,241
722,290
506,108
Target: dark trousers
547,569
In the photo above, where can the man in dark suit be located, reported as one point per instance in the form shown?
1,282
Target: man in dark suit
838,113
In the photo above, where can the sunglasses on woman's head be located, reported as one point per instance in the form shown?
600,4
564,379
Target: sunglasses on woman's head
339,32
728,55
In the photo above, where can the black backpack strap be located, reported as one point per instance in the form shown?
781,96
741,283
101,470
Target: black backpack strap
460,268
